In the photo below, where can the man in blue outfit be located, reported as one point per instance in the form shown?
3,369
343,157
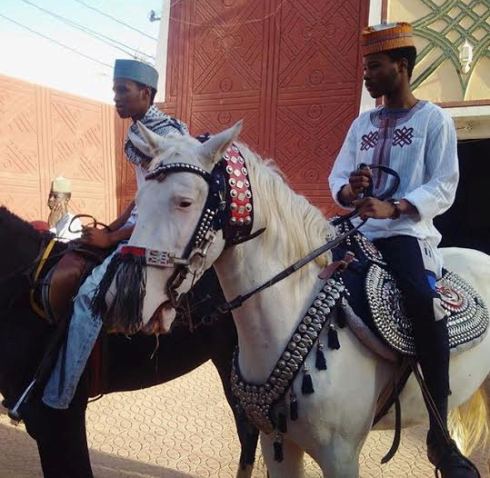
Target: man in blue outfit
135,86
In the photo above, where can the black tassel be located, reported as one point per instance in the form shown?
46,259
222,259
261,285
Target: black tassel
278,452
282,422
307,385
293,406
333,338
124,314
98,303
341,319
320,362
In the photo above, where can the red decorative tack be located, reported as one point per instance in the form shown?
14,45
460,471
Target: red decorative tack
132,250
241,203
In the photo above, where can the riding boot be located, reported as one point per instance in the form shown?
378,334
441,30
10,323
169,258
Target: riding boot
442,452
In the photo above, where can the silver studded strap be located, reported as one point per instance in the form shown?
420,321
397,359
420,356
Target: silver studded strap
258,400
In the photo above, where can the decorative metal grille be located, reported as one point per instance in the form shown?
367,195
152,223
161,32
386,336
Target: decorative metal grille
446,27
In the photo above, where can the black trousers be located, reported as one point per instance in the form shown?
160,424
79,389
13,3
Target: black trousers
405,259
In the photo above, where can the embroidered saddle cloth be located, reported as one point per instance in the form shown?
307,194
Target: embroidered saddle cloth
365,297
375,298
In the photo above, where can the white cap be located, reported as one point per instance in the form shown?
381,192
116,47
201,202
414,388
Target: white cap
61,185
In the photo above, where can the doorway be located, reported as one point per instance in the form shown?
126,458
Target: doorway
467,222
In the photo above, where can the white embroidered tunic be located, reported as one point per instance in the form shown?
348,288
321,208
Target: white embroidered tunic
62,228
420,145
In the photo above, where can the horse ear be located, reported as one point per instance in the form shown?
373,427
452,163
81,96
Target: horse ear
150,143
215,147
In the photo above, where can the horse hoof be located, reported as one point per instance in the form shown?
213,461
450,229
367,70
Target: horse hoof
245,472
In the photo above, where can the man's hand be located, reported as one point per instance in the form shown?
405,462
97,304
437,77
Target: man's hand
97,237
359,180
374,208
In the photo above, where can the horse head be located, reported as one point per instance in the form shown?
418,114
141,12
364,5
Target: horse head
175,239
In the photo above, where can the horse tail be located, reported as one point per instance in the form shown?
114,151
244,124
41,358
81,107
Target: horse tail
469,424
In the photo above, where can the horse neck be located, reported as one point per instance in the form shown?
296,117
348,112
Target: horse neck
22,334
19,243
265,322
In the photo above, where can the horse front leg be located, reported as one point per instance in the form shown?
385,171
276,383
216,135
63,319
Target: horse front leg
247,433
340,459
292,464
61,436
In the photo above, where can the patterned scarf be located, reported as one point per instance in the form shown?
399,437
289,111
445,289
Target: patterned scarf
158,122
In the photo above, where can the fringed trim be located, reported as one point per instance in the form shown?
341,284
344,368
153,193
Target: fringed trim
333,338
98,304
278,451
260,401
307,385
124,313
320,361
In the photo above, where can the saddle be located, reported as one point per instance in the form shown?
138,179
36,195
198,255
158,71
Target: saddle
52,294
375,302
53,290
375,314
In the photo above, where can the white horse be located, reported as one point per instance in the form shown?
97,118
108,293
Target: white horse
334,421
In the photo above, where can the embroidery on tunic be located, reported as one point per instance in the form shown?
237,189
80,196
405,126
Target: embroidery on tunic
402,136
369,140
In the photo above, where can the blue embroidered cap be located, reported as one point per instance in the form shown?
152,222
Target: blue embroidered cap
136,71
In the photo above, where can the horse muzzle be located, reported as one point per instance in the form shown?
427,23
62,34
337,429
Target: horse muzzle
161,321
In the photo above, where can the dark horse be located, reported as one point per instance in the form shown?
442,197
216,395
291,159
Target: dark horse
60,434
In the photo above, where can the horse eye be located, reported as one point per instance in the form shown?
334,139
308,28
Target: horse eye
184,203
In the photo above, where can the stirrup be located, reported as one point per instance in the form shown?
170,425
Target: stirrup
452,453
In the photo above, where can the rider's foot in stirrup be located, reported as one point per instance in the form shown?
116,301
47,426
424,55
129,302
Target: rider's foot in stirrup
448,460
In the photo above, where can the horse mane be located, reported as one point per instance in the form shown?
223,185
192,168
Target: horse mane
285,209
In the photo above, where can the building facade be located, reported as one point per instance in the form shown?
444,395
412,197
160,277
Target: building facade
291,69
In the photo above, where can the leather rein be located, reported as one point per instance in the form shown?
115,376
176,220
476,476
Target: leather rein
229,207
240,299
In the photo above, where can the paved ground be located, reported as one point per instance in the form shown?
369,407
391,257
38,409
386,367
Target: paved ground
184,429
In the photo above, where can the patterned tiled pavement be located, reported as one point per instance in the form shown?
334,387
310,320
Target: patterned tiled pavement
184,429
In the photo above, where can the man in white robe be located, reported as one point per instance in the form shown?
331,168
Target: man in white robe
418,140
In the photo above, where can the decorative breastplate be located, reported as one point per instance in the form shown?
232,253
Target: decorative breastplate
258,400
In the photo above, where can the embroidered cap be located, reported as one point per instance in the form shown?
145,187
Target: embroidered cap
61,185
136,71
387,36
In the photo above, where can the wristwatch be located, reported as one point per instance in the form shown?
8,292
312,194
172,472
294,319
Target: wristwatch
396,212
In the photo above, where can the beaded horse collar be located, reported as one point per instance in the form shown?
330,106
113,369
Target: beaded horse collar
259,400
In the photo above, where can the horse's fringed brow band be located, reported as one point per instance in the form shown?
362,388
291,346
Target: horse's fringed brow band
124,313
